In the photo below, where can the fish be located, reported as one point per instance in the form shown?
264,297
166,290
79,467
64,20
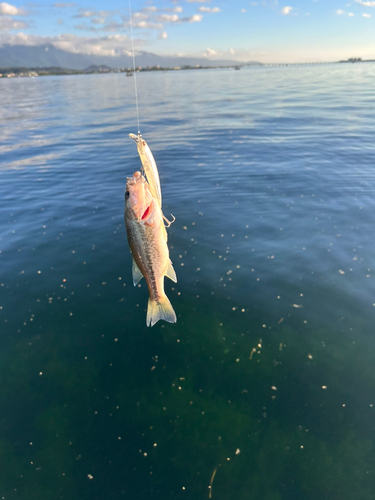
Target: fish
149,165
147,238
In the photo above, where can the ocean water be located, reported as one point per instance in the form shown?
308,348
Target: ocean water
265,387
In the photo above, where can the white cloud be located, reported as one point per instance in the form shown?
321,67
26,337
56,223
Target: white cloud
155,9
351,14
148,26
114,27
210,53
163,35
112,45
366,15
140,15
286,10
232,51
85,13
366,3
243,11
197,18
209,9
98,20
198,1
102,13
105,13
168,18
9,10
173,18
340,12
8,24
64,5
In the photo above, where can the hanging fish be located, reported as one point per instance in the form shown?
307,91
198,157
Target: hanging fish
149,166
147,238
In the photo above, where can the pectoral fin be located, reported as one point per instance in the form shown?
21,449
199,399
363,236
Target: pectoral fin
170,272
137,275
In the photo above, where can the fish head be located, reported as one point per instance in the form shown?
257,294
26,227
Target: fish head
138,198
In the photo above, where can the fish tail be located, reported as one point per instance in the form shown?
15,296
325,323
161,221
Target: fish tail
160,309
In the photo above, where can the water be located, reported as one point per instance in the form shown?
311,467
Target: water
267,378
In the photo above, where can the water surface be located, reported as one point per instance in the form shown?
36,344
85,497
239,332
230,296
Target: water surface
267,377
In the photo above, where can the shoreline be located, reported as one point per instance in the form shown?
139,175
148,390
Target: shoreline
32,72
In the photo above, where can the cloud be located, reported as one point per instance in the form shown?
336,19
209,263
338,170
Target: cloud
102,13
155,9
351,14
112,45
148,26
106,13
163,36
210,53
9,10
85,13
140,15
60,22
286,10
340,12
64,5
197,18
243,11
173,18
366,15
85,27
168,18
209,9
114,27
366,3
98,20
8,24
198,1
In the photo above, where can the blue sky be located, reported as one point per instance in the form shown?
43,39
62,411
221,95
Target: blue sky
259,30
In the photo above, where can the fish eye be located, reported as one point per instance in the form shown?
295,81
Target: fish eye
126,195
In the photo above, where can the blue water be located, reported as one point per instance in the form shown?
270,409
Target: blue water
268,376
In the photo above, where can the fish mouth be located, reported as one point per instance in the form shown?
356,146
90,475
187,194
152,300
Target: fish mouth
136,177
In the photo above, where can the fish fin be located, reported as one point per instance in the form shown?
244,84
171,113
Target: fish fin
137,274
170,272
161,309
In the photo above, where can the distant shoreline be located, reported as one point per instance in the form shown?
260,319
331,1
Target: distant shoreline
19,72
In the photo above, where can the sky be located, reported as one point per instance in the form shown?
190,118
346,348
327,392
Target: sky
268,31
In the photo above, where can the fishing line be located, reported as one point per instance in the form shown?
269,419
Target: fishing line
134,74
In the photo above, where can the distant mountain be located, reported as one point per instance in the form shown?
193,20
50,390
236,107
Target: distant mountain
26,56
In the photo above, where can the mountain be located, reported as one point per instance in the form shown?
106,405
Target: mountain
26,56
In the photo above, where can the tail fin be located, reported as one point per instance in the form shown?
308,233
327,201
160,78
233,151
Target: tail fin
161,309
